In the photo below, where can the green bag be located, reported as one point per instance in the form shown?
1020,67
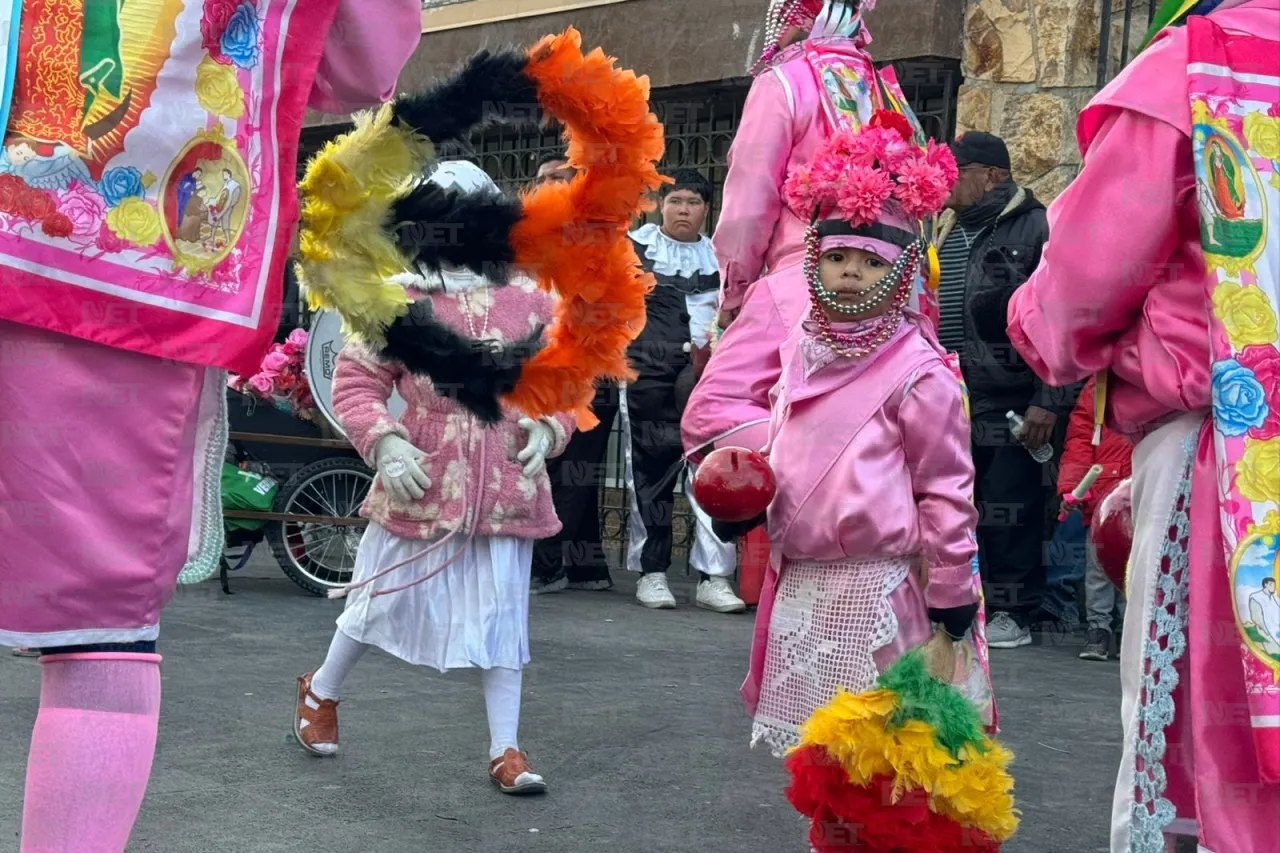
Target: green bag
247,491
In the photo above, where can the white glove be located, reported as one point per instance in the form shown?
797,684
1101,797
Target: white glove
399,470
541,439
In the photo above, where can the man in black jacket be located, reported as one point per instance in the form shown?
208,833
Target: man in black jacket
989,242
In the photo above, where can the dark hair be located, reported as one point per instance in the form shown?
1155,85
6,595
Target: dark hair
552,157
1265,581
687,179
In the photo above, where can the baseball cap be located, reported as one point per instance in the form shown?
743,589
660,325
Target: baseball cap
983,149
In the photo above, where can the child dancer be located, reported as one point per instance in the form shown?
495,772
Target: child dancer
442,574
873,526
1090,442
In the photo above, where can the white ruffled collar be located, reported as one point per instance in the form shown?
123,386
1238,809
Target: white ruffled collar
673,257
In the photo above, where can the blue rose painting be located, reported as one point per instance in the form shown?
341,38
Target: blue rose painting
240,39
1239,400
119,183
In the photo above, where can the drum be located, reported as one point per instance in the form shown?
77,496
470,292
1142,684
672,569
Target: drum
323,345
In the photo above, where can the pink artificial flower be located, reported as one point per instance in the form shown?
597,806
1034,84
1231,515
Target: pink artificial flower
800,192
941,156
868,145
862,195
921,189
297,338
275,361
84,208
263,383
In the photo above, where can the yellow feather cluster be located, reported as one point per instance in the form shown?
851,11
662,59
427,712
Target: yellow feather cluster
974,789
346,196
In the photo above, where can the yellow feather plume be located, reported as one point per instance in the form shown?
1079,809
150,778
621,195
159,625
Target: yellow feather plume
974,789
346,196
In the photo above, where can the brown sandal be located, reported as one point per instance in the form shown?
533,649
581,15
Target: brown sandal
513,775
315,720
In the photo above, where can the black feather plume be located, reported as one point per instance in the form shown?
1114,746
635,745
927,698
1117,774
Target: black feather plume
474,373
436,226
490,87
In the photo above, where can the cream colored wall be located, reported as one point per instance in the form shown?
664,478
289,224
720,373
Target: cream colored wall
1030,66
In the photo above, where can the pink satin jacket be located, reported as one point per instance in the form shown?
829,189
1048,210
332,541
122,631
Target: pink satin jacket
1124,240
872,460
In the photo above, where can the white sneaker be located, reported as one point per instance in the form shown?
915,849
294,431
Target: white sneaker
540,587
716,594
1004,633
653,592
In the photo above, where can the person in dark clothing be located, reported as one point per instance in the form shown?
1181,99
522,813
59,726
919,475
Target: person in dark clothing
575,557
989,242
680,312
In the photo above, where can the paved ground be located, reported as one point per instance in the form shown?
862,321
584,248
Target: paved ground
632,716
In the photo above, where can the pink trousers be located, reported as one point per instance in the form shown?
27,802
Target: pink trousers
99,451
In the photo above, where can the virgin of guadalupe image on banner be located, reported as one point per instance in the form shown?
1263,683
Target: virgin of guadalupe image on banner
141,167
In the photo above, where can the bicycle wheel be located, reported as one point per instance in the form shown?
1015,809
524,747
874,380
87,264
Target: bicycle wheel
320,555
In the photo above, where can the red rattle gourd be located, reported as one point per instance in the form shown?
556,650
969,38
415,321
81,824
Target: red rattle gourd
1112,532
734,484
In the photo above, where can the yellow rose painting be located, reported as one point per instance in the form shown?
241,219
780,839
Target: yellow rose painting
1263,134
135,221
1246,313
218,90
1258,471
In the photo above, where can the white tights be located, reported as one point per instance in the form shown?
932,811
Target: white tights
501,690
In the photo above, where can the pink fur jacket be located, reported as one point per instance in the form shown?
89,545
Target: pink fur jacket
476,481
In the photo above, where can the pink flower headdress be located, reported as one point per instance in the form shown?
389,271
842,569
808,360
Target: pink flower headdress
855,174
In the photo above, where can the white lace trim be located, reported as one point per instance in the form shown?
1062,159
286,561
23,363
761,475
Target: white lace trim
829,619
673,257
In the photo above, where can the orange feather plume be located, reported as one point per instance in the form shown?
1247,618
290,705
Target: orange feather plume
615,142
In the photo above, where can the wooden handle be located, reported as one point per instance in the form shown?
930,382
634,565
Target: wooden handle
940,656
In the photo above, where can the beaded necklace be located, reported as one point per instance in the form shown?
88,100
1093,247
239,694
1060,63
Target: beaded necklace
862,343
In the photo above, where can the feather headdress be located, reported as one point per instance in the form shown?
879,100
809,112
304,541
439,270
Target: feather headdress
369,215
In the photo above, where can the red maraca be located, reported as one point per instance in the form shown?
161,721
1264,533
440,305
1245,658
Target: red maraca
1112,532
734,484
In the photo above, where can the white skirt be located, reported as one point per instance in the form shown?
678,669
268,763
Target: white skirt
473,614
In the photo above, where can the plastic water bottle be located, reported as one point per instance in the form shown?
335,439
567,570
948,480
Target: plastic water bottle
1041,454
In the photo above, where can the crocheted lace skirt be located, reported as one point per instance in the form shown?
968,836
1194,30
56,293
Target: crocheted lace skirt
829,619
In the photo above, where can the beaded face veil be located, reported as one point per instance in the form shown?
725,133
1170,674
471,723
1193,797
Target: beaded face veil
869,189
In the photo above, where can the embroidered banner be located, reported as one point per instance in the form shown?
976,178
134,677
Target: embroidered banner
1235,108
147,172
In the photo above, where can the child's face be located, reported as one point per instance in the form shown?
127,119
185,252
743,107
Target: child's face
849,273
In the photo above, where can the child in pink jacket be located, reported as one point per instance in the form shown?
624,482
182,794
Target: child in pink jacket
442,574
873,525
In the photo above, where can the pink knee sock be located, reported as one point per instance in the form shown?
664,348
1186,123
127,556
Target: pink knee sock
91,752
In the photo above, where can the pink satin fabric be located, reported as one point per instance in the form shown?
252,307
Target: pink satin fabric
1121,286
368,44
729,406
861,484
1122,277
96,444
782,126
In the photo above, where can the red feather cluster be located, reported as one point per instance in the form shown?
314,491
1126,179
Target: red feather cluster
845,818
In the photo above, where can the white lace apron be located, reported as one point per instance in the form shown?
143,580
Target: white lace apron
829,619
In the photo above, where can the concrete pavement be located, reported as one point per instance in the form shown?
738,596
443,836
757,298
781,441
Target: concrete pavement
632,715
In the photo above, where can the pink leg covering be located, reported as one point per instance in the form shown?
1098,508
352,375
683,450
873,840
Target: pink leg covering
91,752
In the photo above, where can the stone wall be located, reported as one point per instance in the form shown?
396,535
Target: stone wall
1030,66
